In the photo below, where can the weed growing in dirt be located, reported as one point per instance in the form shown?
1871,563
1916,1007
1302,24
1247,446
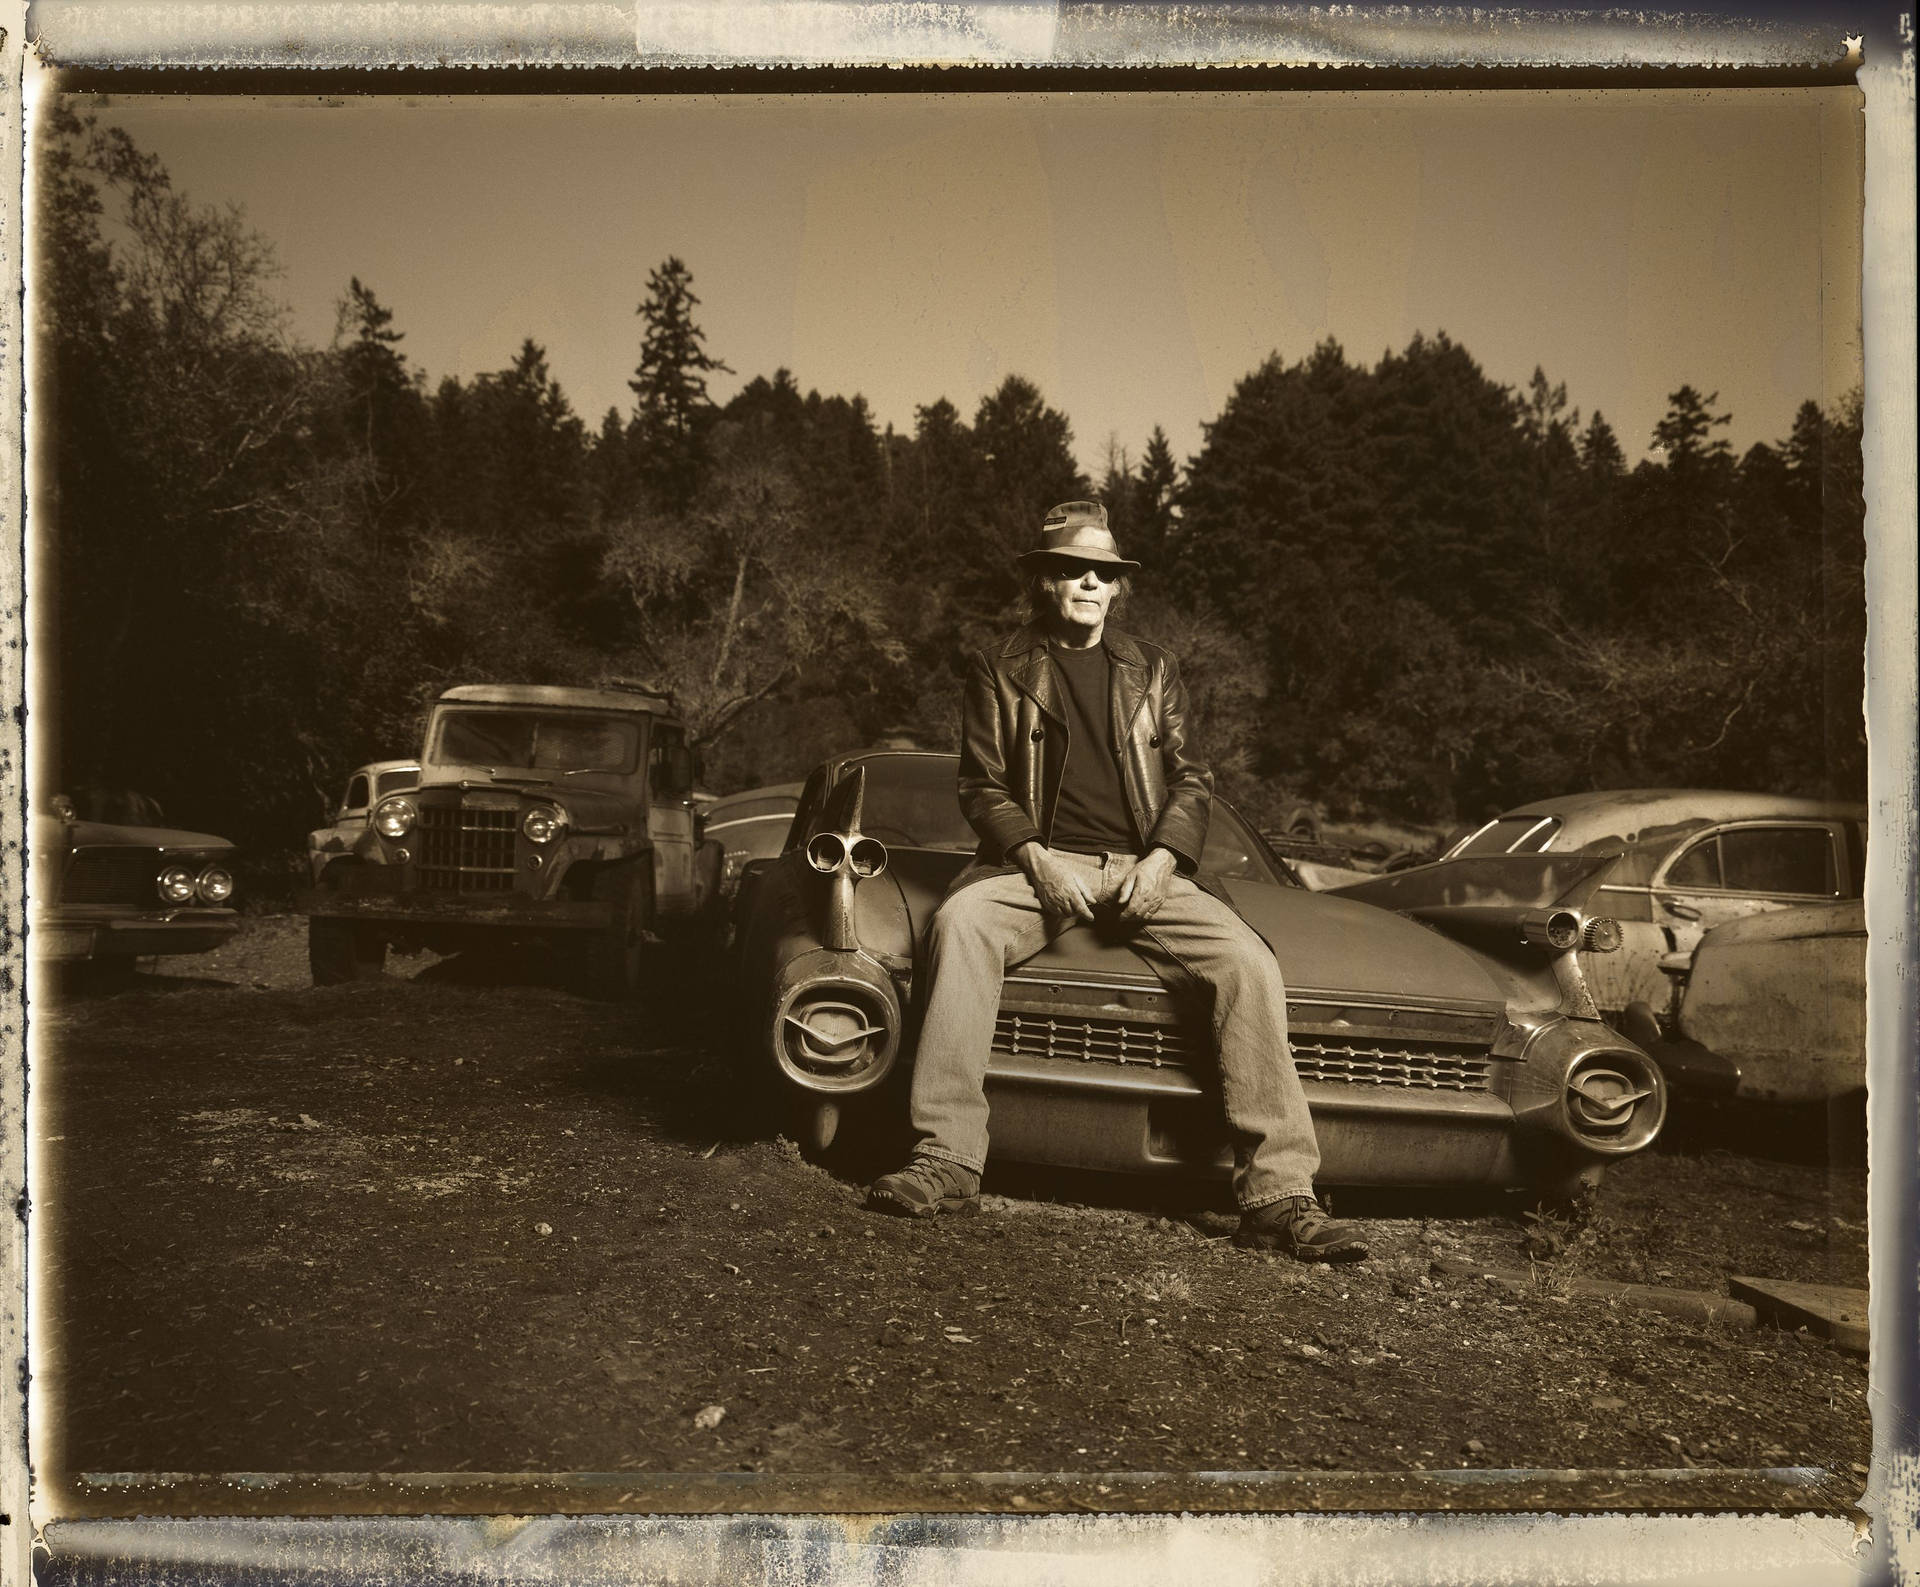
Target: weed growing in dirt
1162,1286
1559,1249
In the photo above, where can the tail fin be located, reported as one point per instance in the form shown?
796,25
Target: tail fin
1514,881
842,811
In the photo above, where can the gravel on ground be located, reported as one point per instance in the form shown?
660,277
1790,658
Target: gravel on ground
463,1220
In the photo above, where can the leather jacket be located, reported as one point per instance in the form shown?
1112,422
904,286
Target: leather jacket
1014,747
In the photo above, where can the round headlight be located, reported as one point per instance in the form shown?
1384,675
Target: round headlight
175,884
543,823
394,818
215,886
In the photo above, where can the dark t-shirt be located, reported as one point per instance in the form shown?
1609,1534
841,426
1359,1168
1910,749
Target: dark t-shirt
1091,815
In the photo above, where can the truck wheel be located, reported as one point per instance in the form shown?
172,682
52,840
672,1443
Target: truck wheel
616,958
613,964
343,950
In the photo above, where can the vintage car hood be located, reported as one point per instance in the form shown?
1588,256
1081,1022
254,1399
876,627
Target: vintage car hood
591,802
107,834
1322,942
1338,944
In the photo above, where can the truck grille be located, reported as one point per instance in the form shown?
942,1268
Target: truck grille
112,876
466,850
1356,1062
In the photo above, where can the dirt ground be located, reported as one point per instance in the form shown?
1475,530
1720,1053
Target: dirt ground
463,1220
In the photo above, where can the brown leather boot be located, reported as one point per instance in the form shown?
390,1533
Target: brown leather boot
926,1186
1299,1226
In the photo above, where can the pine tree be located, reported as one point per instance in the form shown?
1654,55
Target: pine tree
1159,482
1600,453
384,413
671,405
1685,431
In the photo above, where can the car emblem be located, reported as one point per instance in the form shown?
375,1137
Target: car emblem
1606,1097
831,1033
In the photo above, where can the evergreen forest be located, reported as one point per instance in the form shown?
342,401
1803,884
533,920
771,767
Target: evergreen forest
1399,588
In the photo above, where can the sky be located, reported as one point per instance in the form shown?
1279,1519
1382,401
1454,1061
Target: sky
1135,255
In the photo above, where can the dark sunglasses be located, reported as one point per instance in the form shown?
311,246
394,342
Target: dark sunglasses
1073,568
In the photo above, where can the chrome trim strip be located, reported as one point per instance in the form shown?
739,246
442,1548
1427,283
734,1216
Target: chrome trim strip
1319,997
1111,1080
1118,983
1514,846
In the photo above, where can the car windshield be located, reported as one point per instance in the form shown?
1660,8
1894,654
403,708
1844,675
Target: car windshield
538,740
395,781
914,800
1510,835
1233,850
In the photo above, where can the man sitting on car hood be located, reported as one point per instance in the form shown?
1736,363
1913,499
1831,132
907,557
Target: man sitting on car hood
1091,805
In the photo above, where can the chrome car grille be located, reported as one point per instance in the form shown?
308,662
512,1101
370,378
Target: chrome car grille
466,850
1410,1065
1111,1041
112,876
1418,1068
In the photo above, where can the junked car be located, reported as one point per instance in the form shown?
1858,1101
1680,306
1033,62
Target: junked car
541,811
749,826
1774,1008
1692,859
366,787
1439,1019
111,893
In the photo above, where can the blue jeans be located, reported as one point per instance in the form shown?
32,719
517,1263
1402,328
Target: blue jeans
993,924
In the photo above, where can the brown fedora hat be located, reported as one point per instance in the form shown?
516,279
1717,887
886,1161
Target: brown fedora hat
1078,529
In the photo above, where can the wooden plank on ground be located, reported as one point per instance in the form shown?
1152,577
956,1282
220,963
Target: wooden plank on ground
1825,1309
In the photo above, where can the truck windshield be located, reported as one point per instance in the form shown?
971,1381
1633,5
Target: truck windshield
538,740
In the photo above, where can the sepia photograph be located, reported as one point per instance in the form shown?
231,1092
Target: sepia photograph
1110,801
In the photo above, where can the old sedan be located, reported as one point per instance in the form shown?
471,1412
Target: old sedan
1439,1018
749,826
1692,859
109,893
1774,1007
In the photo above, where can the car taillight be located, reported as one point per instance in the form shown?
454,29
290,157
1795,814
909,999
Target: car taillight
1601,935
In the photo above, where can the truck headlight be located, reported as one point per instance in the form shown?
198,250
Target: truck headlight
394,818
214,885
544,823
175,884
